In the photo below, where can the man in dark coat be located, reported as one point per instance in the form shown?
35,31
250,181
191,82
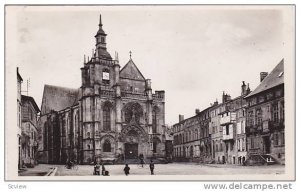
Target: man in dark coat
126,169
151,165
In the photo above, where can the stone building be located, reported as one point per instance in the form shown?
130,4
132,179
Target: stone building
186,139
19,117
216,133
265,118
29,140
227,126
113,116
192,141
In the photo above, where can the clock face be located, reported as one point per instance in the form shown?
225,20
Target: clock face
105,76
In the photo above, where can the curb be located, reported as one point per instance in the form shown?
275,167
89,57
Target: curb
52,172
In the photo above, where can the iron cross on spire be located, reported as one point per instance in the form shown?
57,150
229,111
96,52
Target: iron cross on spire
130,53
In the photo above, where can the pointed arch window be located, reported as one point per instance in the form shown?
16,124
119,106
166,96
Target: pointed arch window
106,146
154,147
154,119
106,118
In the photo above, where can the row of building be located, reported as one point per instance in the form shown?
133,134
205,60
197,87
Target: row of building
248,129
28,133
115,116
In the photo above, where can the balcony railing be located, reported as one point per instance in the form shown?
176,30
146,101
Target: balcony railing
274,125
265,127
134,95
228,119
228,137
107,93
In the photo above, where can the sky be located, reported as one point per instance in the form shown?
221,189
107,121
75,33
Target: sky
194,53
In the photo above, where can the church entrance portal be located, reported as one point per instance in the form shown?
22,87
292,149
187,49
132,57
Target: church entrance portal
131,150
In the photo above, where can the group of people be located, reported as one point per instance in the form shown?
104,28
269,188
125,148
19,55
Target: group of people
104,172
97,170
151,166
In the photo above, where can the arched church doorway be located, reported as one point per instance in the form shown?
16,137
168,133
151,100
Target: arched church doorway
131,145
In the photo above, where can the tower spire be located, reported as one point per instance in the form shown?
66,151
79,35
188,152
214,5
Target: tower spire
100,22
101,43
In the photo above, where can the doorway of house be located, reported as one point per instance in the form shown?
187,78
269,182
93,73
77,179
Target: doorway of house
267,144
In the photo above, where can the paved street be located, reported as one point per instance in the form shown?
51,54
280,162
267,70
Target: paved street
167,169
39,170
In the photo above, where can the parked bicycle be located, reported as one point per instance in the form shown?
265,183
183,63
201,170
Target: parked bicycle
142,164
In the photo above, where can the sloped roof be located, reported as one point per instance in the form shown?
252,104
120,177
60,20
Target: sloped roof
58,98
275,78
30,99
131,71
104,54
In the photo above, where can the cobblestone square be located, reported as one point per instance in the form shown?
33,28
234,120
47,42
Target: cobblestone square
162,169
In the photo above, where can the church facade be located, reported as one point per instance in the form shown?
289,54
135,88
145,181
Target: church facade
113,116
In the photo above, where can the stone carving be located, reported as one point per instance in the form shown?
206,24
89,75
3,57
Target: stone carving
133,112
133,133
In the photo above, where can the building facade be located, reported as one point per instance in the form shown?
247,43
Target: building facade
245,130
29,143
265,126
232,122
113,116
192,140
19,117
216,134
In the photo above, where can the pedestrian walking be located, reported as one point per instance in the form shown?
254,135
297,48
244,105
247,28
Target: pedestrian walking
126,169
151,165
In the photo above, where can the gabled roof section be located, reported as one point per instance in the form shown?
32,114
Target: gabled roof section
275,78
58,98
30,99
131,71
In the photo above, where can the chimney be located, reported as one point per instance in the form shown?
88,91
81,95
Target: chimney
263,75
181,118
225,97
248,89
228,98
216,102
197,111
243,88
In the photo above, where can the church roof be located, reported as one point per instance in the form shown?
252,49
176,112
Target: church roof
275,78
100,31
103,53
131,71
58,98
